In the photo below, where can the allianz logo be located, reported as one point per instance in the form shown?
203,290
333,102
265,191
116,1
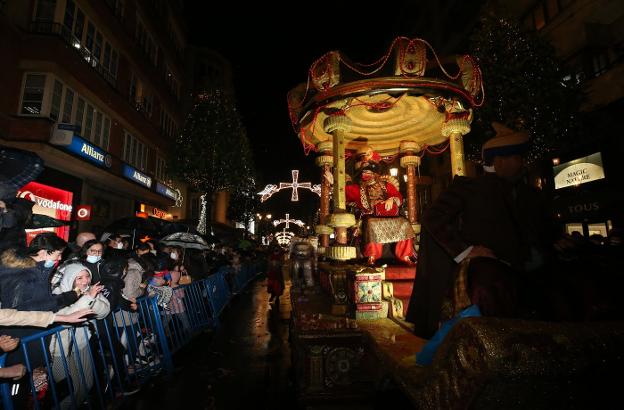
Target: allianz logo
142,178
92,152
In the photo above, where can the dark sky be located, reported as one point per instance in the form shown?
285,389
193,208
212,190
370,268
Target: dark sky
272,50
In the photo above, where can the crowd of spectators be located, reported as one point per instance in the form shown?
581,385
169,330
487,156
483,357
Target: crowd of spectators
94,283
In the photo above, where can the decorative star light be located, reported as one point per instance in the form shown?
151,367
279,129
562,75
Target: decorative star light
288,221
270,189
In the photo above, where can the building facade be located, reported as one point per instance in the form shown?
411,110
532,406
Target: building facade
95,88
588,36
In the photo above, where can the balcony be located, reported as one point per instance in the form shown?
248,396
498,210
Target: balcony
57,29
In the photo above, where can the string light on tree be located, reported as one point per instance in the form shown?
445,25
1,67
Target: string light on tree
288,221
271,189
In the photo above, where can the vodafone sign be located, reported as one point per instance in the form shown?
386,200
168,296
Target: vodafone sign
83,213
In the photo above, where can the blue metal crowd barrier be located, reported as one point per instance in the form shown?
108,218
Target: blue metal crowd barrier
92,364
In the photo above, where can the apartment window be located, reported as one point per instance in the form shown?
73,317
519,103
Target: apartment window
68,18
135,152
97,50
161,168
45,95
80,113
146,42
88,122
107,55
68,105
32,100
79,25
90,36
544,12
45,10
57,96
106,133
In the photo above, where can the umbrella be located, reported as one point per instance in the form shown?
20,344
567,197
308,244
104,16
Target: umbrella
38,221
185,240
173,227
19,167
132,225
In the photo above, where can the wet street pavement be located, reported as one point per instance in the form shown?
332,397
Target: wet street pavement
243,364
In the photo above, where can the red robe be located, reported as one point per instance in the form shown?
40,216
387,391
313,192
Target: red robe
374,205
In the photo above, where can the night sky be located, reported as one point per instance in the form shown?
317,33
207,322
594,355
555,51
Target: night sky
270,55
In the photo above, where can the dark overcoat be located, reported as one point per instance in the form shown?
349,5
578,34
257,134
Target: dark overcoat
510,219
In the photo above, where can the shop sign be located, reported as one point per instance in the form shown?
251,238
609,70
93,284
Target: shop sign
89,152
166,191
83,213
137,176
159,213
49,201
579,171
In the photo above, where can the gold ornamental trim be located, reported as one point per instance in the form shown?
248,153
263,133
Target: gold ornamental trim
321,250
325,146
323,230
456,126
408,160
344,220
416,228
337,123
407,146
324,160
341,253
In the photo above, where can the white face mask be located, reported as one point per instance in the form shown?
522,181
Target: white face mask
93,258
120,245
153,251
173,255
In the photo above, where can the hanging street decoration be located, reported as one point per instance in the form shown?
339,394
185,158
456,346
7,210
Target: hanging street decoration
270,189
284,237
288,221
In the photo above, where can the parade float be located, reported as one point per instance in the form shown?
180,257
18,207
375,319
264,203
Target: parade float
348,336
408,104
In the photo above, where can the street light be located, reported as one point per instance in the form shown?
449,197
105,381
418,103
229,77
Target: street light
268,216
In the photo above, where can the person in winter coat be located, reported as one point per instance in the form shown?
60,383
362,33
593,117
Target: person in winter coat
24,277
70,347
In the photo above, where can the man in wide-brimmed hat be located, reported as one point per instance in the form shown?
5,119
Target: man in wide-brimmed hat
495,216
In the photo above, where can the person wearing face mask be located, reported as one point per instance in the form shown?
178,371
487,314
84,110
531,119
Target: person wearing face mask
90,255
24,285
24,277
114,246
493,231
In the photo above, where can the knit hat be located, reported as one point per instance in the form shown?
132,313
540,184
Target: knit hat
69,276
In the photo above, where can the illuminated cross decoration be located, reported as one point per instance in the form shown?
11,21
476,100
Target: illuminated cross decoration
288,221
270,189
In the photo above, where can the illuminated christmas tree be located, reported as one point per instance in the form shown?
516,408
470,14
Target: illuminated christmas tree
526,88
213,154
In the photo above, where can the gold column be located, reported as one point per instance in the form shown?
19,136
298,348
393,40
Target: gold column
325,161
410,161
456,126
337,125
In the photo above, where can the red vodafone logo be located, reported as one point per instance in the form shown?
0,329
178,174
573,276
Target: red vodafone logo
83,213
